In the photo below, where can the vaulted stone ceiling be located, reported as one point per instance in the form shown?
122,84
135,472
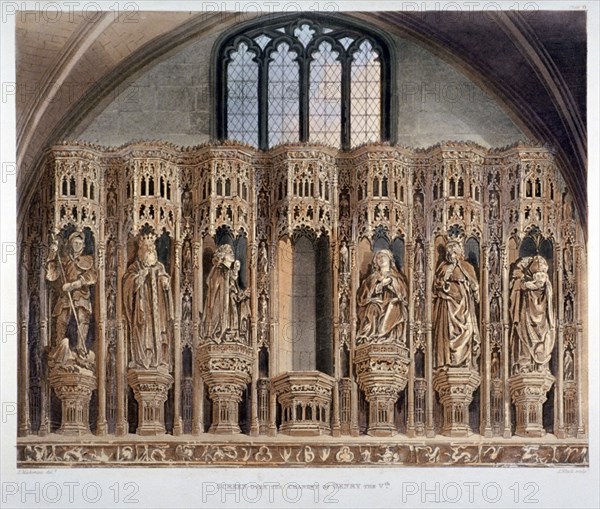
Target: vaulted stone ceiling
533,64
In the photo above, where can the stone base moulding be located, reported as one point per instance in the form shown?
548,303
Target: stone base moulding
226,369
455,387
74,389
150,388
305,398
529,393
382,372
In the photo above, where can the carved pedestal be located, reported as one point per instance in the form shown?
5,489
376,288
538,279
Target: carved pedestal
455,387
226,369
305,398
528,393
382,372
150,387
74,387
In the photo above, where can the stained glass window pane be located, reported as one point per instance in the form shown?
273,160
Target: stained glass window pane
365,99
284,101
242,96
325,96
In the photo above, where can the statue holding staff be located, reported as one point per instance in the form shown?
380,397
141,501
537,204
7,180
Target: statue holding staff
73,274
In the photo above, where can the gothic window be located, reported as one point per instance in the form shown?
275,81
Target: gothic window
304,81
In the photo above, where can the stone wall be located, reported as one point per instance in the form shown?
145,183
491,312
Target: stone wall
172,101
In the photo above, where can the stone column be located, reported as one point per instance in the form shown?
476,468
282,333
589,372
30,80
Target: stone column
559,417
272,412
45,340
23,376
273,334
581,278
486,358
354,282
506,337
254,424
263,398
122,426
429,427
410,425
198,384
382,371
176,288
226,369
101,424
335,418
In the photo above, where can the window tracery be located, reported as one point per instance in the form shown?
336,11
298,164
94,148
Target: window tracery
305,81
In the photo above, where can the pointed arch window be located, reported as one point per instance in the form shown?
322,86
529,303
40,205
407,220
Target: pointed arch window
294,79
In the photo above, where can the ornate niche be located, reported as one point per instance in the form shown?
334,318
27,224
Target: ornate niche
303,191
71,274
150,287
379,292
381,357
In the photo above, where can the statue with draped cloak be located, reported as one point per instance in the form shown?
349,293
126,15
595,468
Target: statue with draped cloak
382,302
148,308
532,315
455,330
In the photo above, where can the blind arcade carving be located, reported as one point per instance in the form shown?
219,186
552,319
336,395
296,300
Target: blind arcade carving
383,291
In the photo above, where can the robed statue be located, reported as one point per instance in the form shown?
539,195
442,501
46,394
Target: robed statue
532,315
456,293
382,302
148,308
226,308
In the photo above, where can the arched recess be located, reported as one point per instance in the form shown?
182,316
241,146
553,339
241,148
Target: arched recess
305,304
